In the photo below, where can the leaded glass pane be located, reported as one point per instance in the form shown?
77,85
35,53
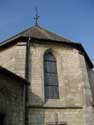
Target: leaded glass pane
50,66
52,92
50,75
51,79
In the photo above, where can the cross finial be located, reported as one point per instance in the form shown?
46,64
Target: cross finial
36,16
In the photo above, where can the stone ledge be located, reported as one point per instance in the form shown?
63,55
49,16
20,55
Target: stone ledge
45,107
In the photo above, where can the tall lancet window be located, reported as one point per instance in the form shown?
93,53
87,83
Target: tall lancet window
50,77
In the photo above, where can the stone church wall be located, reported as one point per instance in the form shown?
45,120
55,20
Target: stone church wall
92,83
75,103
20,59
7,58
13,58
87,94
75,96
48,116
11,101
69,76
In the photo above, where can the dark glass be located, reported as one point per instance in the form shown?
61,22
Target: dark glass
50,74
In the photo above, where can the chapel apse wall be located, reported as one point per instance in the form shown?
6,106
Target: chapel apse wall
74,104
68,72
69,105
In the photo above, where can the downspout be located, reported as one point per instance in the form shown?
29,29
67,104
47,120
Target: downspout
27,66
27,70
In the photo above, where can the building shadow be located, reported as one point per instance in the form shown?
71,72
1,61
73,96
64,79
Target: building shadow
36,111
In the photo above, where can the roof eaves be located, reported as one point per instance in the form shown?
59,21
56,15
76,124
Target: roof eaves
18,36
9,40
75,43
65,42
13,75
86,55
34,38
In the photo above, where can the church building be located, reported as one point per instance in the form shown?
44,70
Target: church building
45,79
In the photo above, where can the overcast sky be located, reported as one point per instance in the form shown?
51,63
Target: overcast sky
73,19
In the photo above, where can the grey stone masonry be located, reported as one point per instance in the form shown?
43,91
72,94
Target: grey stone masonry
92,83
11,100
75,103
7,58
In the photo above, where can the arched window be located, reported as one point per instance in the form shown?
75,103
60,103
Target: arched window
50,77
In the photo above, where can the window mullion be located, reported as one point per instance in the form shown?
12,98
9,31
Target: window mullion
50,74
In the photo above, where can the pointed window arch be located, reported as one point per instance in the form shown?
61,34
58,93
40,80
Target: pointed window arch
50,76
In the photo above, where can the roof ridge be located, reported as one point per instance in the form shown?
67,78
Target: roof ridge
43,31
51,32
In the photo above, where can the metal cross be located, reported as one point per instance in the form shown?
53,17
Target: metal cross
36,16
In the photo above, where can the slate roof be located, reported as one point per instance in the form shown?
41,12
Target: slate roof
41,33
37,32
